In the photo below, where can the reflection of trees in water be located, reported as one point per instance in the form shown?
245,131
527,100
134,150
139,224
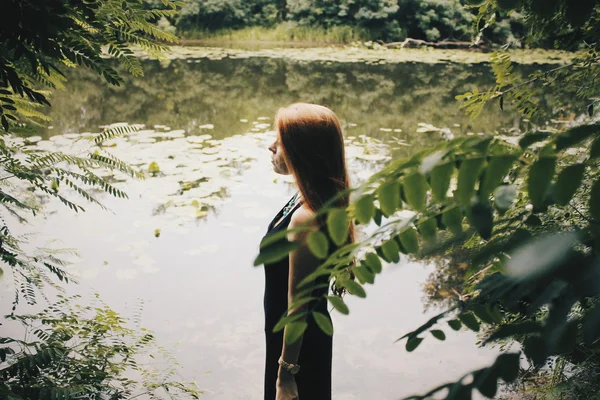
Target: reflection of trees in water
185,94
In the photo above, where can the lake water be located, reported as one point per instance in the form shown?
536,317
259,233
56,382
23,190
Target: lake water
208,123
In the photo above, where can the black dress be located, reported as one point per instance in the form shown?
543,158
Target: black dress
314,378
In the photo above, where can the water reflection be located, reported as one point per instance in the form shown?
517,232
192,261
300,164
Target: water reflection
223,97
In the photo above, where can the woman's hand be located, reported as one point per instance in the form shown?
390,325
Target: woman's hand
286,386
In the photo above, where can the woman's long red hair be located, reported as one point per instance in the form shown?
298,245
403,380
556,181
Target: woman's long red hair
313,147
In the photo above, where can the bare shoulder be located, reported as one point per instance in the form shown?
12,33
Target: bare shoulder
302,216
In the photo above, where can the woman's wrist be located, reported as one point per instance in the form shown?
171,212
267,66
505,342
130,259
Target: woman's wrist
284,374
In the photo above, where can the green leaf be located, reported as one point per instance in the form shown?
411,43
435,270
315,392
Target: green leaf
318,244
533,137
409,240
389,197
483,313
454,324
575,135
373,262
391,251
468,174
364,209
567,183
452,218
458,391
363,274
440,180
469,320
595,201
412,343
535,349
415,191
338,304
428,229
288,319
481,217
538,182
515,329
568,338
507,366
354,288
486,382
323,322
294,330
378,216
337,225
504,197
438,334
595,148
591,325
275,252
497,169
380,253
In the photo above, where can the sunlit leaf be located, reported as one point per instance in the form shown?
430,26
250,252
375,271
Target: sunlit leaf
415,191
498,167
389,197
468,174
354,288
452,218
364,209
294,330
323,322
409,240
390,250
337,225
363,274
318,244
440,180
338,304
275,252
373,262
428,229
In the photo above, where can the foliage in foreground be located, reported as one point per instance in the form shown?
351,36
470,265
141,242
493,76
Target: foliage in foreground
71,352
86,352
522,212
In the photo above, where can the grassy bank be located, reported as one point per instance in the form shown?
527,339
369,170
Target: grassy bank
279,33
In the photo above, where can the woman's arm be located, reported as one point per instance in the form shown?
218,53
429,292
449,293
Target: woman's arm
302,263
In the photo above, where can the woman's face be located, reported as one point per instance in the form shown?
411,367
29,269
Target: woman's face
279,165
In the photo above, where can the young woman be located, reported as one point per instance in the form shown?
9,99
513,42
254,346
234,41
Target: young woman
310,146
